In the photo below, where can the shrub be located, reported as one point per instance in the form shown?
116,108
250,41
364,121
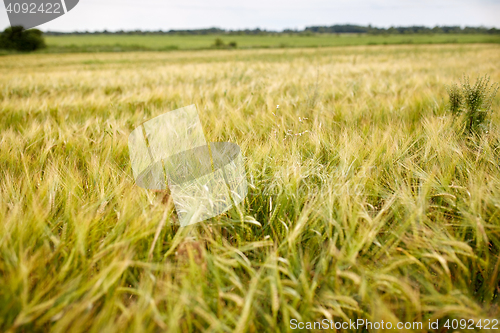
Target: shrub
233,45
16,38
218,42
473,102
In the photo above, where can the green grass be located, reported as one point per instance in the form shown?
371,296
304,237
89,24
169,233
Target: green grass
91,43
382,210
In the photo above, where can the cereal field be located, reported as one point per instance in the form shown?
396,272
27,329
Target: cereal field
366,200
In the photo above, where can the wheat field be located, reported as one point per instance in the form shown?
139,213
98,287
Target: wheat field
366,201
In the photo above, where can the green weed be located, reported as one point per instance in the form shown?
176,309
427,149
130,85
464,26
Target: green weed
474,102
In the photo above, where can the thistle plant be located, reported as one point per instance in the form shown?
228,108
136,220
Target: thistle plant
455,99
473,101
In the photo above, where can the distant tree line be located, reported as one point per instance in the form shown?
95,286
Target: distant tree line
402,30
334,29
209,31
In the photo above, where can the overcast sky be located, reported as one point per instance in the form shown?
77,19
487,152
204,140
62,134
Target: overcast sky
268,14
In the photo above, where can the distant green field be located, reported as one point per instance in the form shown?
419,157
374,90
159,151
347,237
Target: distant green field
94,43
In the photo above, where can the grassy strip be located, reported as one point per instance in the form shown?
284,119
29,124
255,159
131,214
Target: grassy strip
117,43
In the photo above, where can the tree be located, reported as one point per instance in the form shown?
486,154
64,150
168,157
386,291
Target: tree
16,38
